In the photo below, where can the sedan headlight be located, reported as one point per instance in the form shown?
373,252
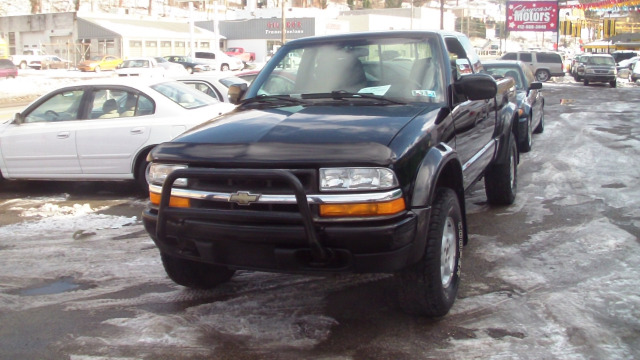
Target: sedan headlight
357,179
159,172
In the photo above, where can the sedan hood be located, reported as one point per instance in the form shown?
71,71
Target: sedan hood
296,135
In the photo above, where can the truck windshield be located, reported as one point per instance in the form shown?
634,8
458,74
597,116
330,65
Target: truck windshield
407,70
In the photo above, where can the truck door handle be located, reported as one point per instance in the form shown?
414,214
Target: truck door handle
63,135
137,131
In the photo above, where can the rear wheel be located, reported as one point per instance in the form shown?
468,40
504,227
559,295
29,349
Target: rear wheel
224,67
542,75
429,287
193,274
141,176
189,69
613,83
501,179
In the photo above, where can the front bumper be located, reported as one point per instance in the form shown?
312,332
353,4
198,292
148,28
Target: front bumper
297,242
598,77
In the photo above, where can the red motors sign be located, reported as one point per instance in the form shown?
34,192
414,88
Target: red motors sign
532,16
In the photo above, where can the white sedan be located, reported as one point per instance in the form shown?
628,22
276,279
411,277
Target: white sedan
100,130
141,67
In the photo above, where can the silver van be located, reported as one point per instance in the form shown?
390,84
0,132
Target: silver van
543,64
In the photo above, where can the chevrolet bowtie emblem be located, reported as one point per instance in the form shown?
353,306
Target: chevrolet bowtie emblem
243,198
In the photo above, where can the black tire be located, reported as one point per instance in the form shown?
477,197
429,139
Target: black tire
189,70
540,128
430,286
193,274
501,179
542,75
141,176
613,83
23,65
224,67
525,144
586,82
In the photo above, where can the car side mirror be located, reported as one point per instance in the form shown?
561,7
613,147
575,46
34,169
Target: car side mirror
236,92
477,86
18,119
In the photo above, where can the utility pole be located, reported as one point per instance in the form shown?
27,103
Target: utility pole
441,14
284,24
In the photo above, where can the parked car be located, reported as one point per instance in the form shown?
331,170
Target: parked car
214,84
529,98
634,75
170,68
99,63
543,64
219,60
190,64
280,80
100,129
241,53
143,66
600,68
8,69
577,69
627,64
620,55
54,62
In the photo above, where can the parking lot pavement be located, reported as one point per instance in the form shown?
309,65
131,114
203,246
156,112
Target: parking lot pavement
553,276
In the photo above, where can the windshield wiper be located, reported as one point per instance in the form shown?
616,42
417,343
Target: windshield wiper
273,99
342,94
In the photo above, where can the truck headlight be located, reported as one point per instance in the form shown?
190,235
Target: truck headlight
159,172
590,71
357,179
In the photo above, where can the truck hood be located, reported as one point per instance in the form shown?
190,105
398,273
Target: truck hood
297,134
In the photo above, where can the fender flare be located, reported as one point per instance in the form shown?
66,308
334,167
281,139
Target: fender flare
439,167
506,128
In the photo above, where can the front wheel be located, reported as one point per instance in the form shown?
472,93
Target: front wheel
193,274
224,67
586,82
527,141
97,69
429,287
613,83
540,128
501,179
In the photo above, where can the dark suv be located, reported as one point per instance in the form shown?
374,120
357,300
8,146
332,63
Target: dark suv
599,68
623,55
543,64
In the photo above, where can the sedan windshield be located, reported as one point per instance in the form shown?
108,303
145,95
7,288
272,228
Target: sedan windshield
403,69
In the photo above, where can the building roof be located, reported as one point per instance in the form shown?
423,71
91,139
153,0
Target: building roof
107,27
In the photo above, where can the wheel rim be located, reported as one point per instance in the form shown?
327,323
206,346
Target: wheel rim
543,76
448,252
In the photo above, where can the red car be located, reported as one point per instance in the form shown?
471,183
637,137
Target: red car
8,69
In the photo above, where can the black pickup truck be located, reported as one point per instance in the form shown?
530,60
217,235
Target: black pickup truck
354,157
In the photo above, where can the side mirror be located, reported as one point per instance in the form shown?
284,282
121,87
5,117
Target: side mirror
236,92
18,119
535,85
477,86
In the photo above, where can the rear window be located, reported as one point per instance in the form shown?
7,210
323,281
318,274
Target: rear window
549,58
526,57
6,64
